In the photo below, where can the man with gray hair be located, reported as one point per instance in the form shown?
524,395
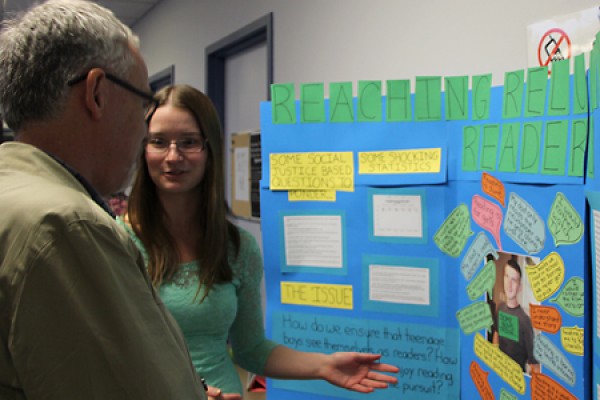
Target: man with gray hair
79,318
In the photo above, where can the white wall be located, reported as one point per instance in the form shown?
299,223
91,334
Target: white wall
350,40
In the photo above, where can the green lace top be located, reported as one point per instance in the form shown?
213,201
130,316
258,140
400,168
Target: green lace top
231,311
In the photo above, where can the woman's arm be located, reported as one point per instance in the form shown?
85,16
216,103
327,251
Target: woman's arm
359,372
354,371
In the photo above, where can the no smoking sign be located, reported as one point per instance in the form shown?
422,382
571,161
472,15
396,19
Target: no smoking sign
555,45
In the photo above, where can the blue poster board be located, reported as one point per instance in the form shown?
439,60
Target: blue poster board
445,230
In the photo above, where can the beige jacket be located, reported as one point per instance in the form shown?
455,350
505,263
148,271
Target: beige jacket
79,318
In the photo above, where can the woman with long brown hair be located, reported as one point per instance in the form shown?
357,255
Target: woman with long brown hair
208,270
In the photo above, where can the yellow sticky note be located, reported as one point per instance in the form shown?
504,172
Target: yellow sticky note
507,368
547,276
312,195
412,161
572,339
317,294
312,171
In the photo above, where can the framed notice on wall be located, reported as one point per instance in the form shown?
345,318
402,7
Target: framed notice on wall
246,165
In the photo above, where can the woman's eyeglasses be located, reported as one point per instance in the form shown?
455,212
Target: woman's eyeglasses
190,144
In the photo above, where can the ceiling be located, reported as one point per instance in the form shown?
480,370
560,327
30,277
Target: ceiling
128,11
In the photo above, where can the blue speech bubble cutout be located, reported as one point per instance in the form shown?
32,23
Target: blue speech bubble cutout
479,248
552,358
524,225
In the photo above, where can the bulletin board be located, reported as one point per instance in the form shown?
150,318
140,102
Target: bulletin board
390,222
246,167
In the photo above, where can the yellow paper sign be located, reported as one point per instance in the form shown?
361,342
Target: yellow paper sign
311,195
400,161
572,339
503,365
547,276
312,171
317,294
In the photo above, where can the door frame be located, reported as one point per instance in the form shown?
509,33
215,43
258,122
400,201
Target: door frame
166,76
257,32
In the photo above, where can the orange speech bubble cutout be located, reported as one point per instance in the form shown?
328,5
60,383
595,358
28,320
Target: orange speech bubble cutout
545,318
493,187
543,388
481,382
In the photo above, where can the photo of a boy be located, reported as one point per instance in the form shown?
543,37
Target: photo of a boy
513,331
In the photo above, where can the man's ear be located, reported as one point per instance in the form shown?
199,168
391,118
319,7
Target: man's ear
95,93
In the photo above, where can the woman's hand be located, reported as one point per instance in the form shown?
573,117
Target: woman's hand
214,393
359,372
